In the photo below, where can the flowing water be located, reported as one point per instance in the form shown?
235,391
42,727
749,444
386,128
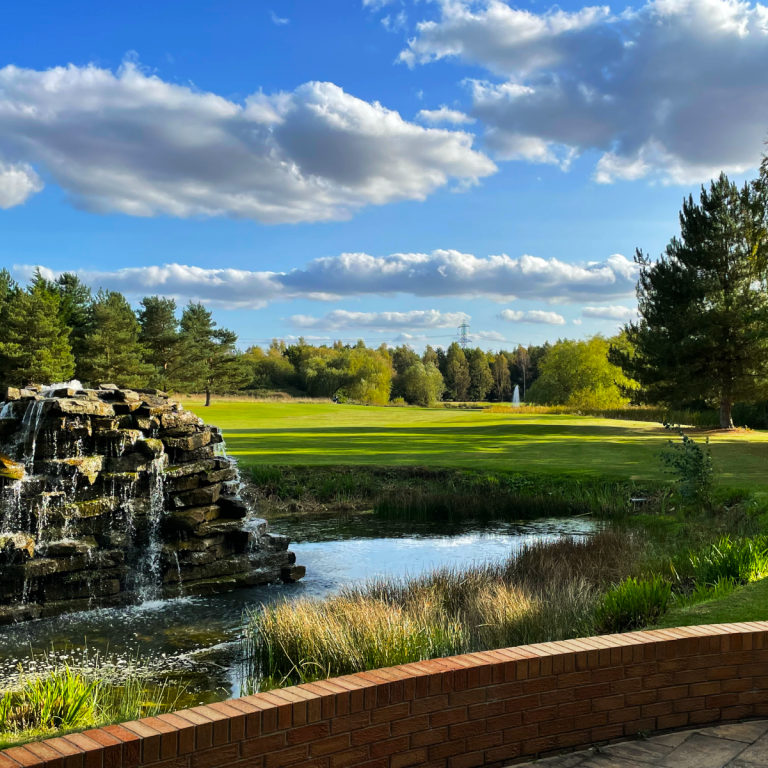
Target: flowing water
194,639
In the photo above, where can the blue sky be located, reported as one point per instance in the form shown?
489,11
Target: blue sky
243,141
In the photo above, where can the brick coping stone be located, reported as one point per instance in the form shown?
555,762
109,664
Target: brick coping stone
493,708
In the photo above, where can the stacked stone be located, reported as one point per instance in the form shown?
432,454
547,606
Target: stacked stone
110,496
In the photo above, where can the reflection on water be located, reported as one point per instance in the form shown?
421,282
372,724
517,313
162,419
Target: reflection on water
194,639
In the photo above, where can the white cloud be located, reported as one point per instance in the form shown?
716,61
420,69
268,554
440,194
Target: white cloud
488,336
610,313
277,20
675,90
452,273
18,182
578,321
395,24
135,144
439,274
381,321
443,115
532,316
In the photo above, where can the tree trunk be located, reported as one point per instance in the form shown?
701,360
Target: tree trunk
726,419
207,397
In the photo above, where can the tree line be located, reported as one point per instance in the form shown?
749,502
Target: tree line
56,330
701,340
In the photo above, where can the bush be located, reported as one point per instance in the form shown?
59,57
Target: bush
691,465
633,604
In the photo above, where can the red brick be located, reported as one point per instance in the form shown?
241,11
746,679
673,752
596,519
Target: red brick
262,745
46,756
216,756
313,732
330,745
150,741
93,753
410,725
24,757
412,757
427,738
448,749
349,757
350,722
131,744
286,757
111,746
448,717
385,714
389,747
469,760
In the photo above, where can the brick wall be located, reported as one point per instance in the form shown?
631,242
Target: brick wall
492,708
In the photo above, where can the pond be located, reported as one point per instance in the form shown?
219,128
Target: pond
195,640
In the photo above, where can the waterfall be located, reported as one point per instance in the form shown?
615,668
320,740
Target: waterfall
516,397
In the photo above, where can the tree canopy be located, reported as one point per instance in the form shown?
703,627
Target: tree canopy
703,328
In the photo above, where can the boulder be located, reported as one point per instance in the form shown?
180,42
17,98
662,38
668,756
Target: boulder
83,407
197,497
10,469
191,519
190,443
12,393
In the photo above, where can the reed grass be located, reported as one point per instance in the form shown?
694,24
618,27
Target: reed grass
96,692
548,591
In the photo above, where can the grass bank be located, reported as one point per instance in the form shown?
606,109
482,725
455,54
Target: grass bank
438,493
323,434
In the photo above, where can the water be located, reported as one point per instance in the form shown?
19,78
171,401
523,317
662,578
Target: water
516,397
194,639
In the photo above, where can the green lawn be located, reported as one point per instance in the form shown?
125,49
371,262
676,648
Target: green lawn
749,603
301,433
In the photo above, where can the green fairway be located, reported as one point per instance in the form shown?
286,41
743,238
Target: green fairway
301,433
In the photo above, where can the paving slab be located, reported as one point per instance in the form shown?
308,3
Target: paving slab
735,745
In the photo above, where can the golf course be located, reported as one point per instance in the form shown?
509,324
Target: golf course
328,434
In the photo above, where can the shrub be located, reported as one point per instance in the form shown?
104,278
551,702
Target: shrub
691,465
633,604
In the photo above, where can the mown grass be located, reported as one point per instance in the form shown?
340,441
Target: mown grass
322,434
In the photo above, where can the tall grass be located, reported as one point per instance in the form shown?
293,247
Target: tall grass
704,419
546,592
95,693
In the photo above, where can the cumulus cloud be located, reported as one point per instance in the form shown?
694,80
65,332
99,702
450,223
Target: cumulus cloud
610,313
441,273
381,321
133,143
443,115
675,90
17,183
536,316
452,273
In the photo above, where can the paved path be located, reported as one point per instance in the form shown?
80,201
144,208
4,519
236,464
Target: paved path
741,745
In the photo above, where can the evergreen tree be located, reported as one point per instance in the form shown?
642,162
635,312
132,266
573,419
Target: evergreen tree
480,376
502,382
75,304
162,340
112,351
211,359
34,346
456,376
703,328
403,357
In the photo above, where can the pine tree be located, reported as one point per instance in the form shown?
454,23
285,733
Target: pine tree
212,361
76,300
111,348
703,329
35,342
160,336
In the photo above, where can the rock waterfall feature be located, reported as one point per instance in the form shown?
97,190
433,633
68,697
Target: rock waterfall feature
113,496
